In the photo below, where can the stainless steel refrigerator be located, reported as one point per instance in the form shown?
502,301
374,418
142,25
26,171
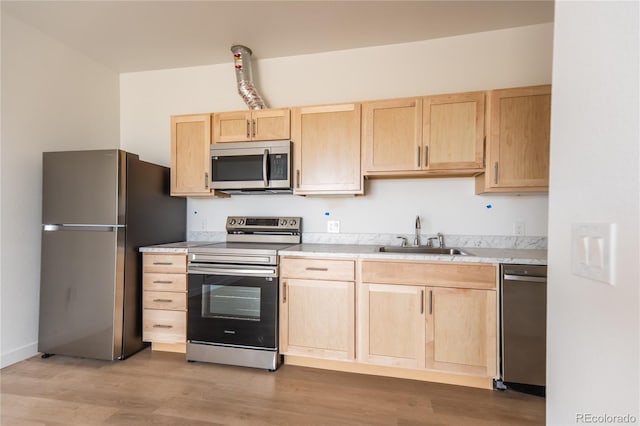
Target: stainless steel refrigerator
98,208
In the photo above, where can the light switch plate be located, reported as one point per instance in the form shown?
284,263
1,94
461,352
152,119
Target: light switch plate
593,251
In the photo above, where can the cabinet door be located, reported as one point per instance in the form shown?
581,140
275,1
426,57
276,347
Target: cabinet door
232,126
317,318
270,124
453,131
392,133
327,149
461,331
190,154
241,126
391,324
518,139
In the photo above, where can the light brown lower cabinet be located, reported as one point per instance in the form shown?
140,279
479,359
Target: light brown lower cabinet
413,319
461,330
164,301
444,329
317,302
434,326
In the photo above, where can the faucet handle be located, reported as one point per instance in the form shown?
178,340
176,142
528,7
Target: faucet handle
404,240
430,241
440,239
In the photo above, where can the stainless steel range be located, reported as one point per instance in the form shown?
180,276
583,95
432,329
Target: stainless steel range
233,293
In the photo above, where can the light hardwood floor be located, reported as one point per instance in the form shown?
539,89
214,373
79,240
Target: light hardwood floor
161,388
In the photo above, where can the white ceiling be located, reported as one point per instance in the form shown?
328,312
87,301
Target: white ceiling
145,35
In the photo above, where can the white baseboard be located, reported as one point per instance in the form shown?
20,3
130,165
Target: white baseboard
19,354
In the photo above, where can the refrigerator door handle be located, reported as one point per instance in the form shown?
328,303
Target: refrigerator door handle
52,227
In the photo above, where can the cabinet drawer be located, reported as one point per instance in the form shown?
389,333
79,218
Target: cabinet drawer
164,326
172,263
341,270
164,282
430,274
164,300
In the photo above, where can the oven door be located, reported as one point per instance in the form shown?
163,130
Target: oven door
251,165
235,306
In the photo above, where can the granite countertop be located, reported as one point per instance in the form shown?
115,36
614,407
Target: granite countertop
370,251
477,255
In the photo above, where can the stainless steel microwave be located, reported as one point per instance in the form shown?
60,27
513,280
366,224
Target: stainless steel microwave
251,167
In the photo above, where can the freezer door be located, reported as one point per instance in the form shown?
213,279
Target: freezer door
81,290
81,187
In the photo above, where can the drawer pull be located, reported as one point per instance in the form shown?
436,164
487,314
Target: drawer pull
162,326
163,263
163,300
162,282
310,268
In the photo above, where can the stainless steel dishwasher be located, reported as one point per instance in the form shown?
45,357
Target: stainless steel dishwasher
523,314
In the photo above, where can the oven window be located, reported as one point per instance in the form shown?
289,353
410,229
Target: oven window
231,302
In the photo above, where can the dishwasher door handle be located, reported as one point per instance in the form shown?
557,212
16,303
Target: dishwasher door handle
525,278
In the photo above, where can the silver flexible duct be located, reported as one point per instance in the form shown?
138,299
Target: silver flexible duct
246,89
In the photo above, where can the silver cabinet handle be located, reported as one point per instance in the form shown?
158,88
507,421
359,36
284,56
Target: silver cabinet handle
426,156
430,302
418,156
206,181
162,263
163,300
495,173
310,268
284,292
162,326
422,301
162,282
265,161
254,128
248,129
298,178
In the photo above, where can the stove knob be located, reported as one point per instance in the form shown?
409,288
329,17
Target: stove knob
292,222
283,222
240,221
232,221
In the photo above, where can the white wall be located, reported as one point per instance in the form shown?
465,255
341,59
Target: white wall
497,59
53,99
593,333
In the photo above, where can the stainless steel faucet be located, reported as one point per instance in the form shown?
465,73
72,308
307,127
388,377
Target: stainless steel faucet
416,240
440,239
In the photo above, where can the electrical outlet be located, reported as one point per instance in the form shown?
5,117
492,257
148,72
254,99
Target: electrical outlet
518,228
333,226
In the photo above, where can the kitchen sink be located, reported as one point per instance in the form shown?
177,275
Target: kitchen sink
423,250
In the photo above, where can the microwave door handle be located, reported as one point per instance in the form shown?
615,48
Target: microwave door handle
265,161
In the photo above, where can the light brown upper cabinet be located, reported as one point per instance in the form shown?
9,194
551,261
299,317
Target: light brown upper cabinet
434,135
391,136
453,132
326,144
518,129
190,165
249,125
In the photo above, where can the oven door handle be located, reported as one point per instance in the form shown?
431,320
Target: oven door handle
234,272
